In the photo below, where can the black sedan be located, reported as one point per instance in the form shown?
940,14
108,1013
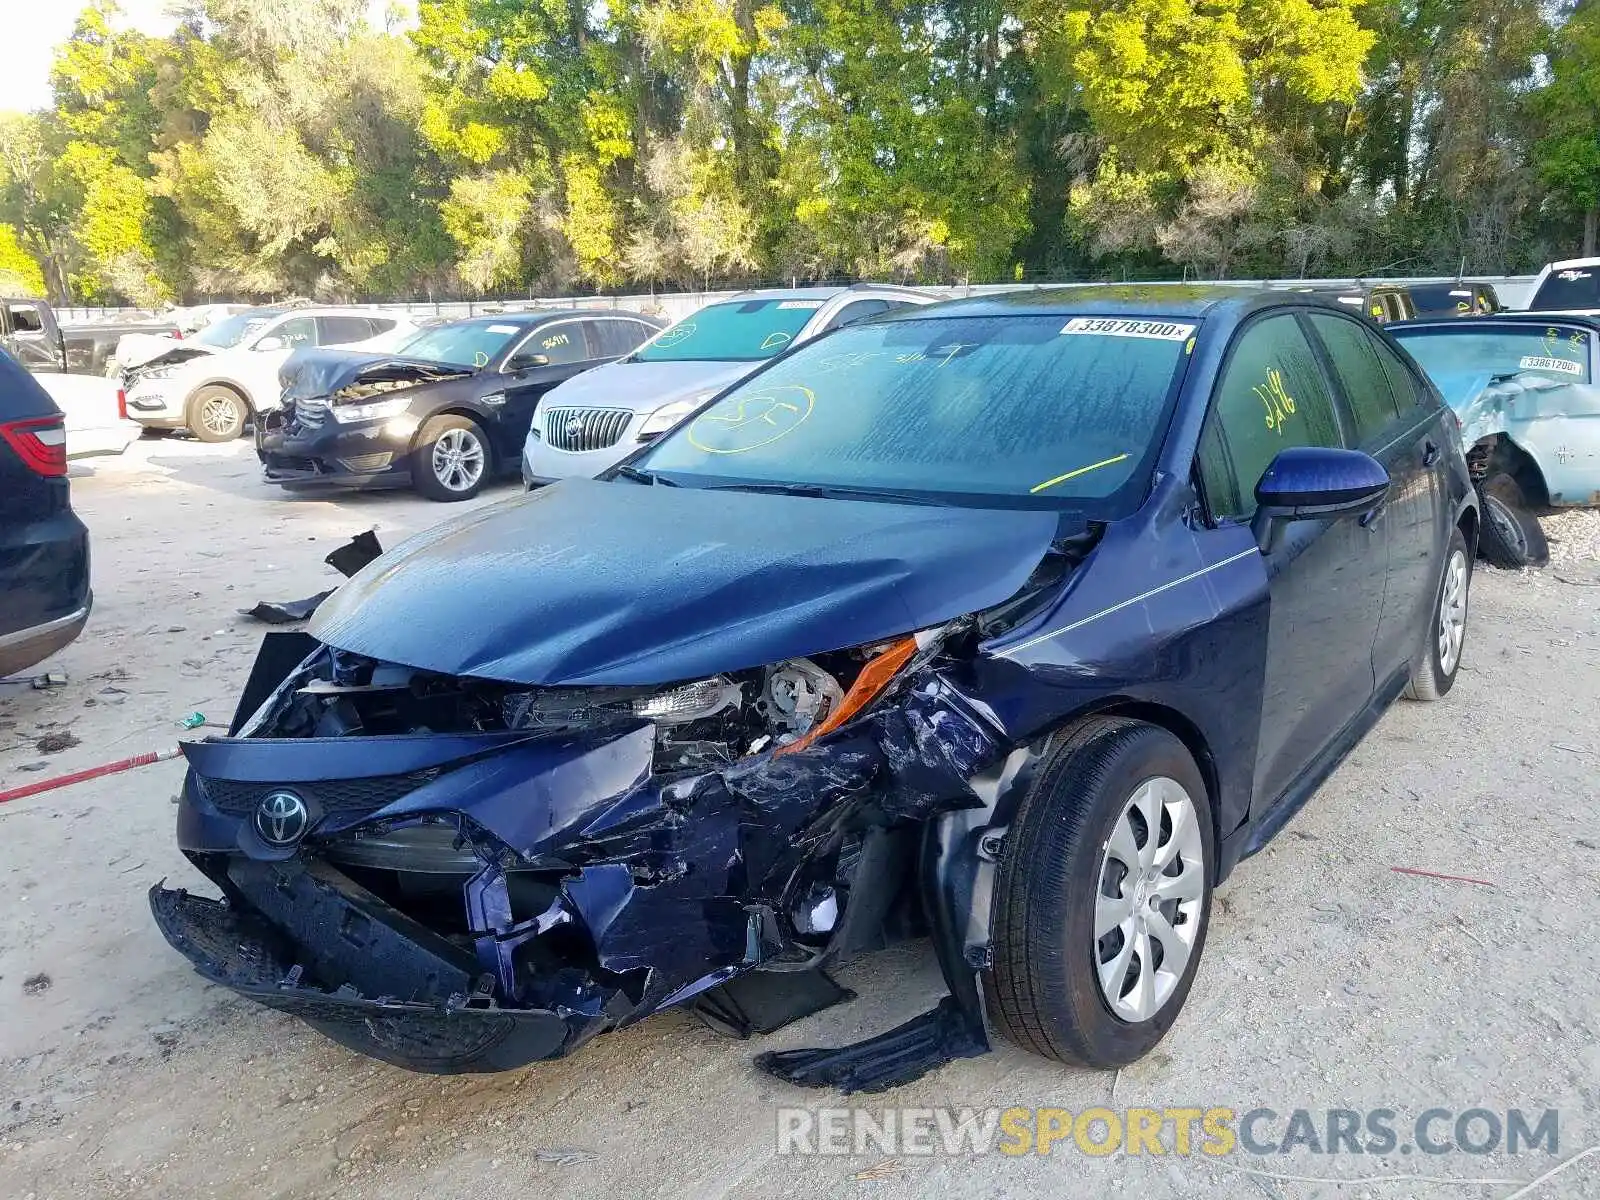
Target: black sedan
444,415
44,548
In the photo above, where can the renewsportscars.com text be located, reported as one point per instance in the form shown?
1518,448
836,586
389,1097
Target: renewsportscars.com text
1214,1131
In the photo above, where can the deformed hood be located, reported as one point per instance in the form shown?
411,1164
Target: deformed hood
586,582
318,372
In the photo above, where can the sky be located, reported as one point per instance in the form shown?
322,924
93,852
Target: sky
33,28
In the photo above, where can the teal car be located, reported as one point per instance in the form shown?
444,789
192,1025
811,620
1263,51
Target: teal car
1523,387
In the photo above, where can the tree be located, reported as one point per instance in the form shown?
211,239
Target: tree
1568,153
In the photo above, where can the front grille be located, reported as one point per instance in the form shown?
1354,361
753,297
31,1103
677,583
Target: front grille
310,414
288,462
582,429
365,464
335,797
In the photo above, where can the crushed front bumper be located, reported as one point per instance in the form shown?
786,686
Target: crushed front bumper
477,901
465,1032
367,455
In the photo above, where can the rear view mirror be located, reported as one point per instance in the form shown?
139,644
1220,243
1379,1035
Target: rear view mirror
524,362
270,342
1312,483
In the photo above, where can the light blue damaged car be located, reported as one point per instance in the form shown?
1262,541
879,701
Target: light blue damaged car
1523,387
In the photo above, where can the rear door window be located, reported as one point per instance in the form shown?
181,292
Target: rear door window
341,330
1353,350
1271,395
1409,394
613,337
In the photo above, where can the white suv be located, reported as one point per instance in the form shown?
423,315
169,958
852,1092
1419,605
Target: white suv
596,419
213,383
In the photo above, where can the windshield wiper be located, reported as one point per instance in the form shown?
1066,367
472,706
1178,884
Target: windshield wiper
635,475
829,491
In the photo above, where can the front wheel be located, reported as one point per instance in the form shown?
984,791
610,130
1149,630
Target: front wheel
1511,536
1433,671
217,414
1103,896
451,459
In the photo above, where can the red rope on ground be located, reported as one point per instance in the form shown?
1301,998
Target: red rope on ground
125,764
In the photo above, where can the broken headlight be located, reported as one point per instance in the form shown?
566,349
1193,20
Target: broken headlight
691,702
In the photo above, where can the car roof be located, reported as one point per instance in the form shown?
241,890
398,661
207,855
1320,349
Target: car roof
820,292
1136,299
1499,318
796,293
1570,263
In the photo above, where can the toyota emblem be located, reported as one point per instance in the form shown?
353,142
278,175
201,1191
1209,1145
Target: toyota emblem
282,818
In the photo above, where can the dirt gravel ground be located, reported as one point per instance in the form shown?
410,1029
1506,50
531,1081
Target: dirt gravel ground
1329,981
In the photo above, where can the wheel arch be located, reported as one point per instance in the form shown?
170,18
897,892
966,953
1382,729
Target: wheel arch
1186,731
1500,452
1467,523
458,409
1162,716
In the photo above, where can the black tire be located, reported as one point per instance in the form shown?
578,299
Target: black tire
1043,988
217,414
431,473
1510,535
1433,671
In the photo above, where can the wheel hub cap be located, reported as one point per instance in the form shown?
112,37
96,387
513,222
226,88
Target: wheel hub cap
218,416
1453,612
1148,908
458,459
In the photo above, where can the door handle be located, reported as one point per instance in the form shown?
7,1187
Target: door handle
1430,454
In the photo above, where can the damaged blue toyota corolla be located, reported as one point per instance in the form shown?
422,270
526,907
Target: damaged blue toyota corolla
1015,622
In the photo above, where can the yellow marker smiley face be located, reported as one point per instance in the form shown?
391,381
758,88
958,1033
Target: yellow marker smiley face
748,422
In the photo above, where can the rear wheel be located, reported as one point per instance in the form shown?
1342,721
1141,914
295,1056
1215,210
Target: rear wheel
217,414
1511,536
1103,896
451,460
1433,671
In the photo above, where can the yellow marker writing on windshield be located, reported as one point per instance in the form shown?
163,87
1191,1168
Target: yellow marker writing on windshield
1050,483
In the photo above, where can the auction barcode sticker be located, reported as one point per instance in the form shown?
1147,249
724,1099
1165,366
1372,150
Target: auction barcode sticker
1565,365
806,305
1166,331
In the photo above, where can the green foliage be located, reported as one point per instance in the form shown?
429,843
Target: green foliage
1568,153
19,271
272,147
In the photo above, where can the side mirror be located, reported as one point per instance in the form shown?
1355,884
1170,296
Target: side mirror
526,362
1314,483
270,342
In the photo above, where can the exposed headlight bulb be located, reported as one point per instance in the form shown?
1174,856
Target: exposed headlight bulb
691,702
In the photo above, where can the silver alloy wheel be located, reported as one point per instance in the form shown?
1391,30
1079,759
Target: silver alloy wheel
1453,612
220,414
1148,905
458,459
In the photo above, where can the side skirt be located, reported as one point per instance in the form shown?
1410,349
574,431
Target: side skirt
1258,832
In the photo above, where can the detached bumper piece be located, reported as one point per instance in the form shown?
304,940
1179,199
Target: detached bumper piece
405,996
907,1052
